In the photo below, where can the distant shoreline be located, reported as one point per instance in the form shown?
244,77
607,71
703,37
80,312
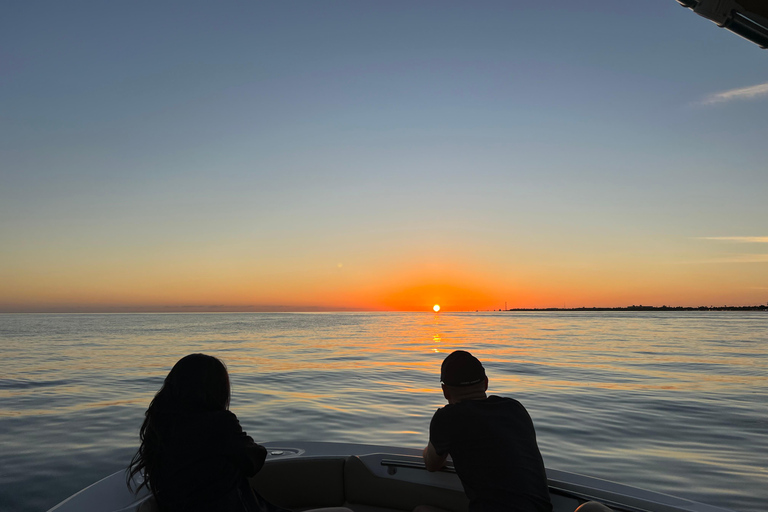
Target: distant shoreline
224,309
652,308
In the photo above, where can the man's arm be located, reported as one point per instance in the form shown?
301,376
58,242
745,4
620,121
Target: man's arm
432,459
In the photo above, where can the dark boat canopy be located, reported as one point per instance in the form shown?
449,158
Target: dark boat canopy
747,18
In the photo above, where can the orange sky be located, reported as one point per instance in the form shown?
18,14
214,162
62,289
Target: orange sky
347,169
227,284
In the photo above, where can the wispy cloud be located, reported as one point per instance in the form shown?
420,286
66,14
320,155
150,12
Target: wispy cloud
737,258
742,258
740,239
742,93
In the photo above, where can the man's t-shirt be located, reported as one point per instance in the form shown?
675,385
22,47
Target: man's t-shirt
493,446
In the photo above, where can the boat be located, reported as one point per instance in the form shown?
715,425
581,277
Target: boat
371,478
746,18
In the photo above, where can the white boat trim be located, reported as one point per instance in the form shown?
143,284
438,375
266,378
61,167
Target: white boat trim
403,465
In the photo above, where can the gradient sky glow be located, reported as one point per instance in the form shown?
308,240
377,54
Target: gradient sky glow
188,156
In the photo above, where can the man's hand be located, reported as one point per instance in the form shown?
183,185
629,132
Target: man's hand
432,460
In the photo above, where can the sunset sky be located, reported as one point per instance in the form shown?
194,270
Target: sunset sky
393,155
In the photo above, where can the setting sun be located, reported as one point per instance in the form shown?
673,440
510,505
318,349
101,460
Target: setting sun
436,307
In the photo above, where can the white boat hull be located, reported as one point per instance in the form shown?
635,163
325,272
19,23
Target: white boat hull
370,478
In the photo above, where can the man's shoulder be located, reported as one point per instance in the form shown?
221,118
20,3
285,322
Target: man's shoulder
495,399
467,406
492,400
507,404
448,414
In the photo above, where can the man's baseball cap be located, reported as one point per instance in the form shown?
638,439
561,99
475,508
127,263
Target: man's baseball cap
461,368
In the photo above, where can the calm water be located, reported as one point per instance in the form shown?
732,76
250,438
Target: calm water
674,402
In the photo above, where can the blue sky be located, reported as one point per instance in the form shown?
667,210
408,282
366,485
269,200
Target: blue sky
392,138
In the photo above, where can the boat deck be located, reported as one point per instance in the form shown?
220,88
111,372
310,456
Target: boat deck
367,483
367,478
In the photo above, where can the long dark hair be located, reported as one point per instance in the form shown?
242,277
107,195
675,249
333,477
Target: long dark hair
197,383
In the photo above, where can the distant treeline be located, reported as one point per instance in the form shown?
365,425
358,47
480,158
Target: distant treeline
654,308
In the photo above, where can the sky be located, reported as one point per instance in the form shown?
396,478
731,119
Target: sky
360,155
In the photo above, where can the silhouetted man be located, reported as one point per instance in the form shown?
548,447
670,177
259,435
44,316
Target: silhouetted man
491,440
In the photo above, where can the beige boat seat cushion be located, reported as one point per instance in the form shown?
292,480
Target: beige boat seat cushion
364,487
298,484
302,484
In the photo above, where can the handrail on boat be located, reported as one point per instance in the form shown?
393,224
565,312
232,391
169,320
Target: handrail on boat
393,464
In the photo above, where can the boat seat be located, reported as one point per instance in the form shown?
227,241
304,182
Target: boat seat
302,483
365,488
333,482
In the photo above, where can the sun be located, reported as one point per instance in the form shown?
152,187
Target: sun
436,308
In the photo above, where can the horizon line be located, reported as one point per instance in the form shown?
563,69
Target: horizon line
319,309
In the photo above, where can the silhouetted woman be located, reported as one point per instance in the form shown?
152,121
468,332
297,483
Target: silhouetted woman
193,454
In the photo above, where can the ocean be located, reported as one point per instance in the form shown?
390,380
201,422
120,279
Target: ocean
670,401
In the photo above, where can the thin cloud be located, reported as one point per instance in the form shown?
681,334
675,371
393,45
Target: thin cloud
743,258
739,258
742,93
735,258
739,239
